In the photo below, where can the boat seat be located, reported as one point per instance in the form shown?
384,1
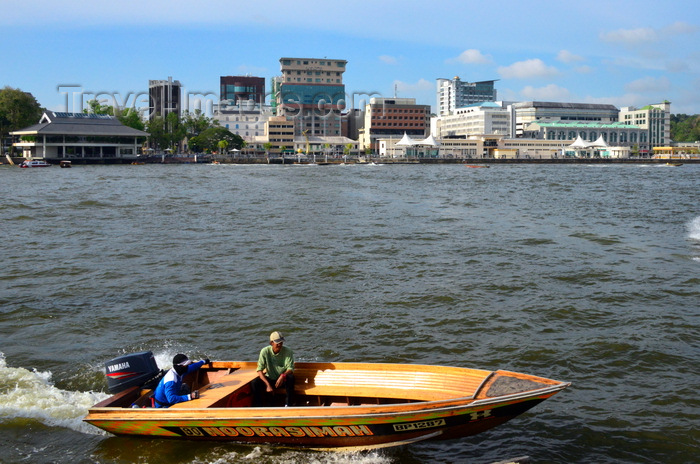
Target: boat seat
222,387
411,385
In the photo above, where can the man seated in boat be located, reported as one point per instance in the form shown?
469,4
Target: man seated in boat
275,369
170,389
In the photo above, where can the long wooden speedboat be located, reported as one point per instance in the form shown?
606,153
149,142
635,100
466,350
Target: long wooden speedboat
337,405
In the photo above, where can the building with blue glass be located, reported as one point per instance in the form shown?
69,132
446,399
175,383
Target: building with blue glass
311,92
455,93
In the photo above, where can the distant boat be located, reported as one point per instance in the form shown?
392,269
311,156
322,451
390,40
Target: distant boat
343,406
34,164
674,164
65,164
477,166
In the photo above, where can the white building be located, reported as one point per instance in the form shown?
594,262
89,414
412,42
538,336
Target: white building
655,120
247,120
454,93
536,111
479,118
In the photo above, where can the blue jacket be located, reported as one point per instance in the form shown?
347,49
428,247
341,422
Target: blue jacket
168,390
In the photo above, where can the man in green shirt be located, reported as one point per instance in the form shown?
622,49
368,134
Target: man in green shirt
275,369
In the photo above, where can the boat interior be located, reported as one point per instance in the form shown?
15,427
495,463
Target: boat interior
227,385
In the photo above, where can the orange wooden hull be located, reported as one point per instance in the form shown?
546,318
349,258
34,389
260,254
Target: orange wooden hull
340,406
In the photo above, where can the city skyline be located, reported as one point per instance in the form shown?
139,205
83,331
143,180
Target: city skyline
622,53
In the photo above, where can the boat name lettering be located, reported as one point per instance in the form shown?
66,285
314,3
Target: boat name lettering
480,414
328,431
118,367
419,425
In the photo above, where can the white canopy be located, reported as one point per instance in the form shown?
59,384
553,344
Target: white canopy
599,143
578,143
406,141
428,141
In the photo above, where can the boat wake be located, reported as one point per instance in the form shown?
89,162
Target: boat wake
26,394
694,229
694,233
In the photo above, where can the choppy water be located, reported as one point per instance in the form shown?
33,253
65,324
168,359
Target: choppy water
589,274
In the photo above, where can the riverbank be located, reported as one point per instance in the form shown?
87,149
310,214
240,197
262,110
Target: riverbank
471,161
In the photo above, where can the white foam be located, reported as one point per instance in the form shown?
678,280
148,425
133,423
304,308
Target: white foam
31,395
694,229
294,457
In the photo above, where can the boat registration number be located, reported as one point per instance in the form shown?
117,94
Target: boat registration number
419,425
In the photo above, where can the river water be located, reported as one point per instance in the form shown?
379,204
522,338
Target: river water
588,274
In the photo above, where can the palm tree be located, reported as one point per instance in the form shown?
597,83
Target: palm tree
267,146
222,146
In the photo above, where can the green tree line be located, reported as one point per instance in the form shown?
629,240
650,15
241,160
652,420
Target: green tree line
685,128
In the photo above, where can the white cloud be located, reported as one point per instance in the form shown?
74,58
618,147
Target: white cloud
471,56
566,56
387,59
408,88
583,69
630,36
679,28
527,69
647,35
550,92
649,85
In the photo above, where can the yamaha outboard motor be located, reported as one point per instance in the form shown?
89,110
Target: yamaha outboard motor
130,370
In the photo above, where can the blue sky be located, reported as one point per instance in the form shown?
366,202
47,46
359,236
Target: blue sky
625,53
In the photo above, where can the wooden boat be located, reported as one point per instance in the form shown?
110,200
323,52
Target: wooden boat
477,166
65,164
343,406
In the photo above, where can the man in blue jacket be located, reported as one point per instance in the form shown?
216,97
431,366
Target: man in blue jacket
170,389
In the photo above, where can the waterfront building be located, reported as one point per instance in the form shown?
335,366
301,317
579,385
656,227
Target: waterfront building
613,133
164,97
393,117
492,146
525,113
654,120
246,119
454,93
238,90
319,148
79,136
311,91
352,121
479,118
279,133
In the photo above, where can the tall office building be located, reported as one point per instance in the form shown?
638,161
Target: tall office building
655,120
453,94
312,94
241,89
393,117
164,97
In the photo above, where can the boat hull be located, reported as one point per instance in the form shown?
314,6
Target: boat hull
362,426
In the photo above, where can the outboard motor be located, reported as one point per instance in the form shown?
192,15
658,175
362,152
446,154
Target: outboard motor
130,370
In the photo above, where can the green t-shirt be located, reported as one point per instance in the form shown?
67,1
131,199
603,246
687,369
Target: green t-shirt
273,364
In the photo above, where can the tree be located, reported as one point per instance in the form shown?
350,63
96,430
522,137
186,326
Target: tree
685,128
130,117
18,109
267,146
196,123
94,107
156,127
209,139
222,146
